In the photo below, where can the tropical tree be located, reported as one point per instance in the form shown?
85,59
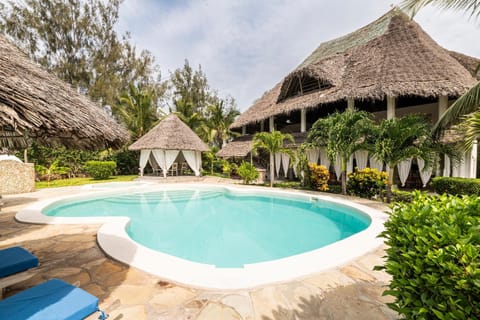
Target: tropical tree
399,139
186,111
137,110
469,102
219,118
77,41
272,142
343,134
191,86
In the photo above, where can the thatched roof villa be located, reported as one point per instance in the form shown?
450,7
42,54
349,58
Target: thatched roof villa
390,67
169,142
35,104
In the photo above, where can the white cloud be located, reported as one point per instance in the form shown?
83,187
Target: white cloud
245,47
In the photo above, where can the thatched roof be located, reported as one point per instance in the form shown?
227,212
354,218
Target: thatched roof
241,146
391,56
37,105
170,134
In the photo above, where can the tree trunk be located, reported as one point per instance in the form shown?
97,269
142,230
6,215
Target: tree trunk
344,177
390,183
272,169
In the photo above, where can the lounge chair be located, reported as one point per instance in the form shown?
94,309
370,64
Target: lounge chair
13,262
54,299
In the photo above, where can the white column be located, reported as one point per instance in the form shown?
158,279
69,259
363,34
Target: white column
244,130
442,105
390,107
473,160
350,103
262,126
303,120
446,166
271,124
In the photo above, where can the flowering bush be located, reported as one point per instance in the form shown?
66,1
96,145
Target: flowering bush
319,176
366,183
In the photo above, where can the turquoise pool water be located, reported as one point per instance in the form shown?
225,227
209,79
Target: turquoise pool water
221,227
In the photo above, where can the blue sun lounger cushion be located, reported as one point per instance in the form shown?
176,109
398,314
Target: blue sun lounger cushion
54,299
16,259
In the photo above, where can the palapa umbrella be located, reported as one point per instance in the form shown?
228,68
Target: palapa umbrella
35,104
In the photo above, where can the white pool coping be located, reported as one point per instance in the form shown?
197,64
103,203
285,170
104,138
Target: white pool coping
114,240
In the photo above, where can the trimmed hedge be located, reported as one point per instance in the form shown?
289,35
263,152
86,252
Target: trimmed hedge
456,186
100,170
433,255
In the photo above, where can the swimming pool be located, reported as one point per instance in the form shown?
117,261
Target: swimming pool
220,237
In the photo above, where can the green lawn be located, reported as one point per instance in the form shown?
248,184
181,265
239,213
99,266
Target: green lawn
79,181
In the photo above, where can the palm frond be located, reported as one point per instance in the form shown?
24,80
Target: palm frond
472,7
466,104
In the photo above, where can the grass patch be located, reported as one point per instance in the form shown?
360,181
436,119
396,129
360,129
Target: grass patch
80,181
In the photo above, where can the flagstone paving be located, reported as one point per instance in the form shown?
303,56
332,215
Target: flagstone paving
71,253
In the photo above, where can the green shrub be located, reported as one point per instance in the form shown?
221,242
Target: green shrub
247,172
366,183
228,167
456,186
433,255
319,176
335,188
402,196
100,170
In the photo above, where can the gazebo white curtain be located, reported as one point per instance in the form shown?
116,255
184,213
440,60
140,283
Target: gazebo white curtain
294,167
144,155
324,158
312,155
278,162
285,163
338,167
424,174
194,160
375,164
404,170
361,156
159,156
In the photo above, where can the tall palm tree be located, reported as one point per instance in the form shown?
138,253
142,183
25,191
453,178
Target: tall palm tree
273,143
342,134
398,139
470,101
137,110
219,119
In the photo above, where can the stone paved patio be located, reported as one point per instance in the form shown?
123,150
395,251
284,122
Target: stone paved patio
71,253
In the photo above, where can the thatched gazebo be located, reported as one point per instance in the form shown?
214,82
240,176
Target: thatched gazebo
36,105
168,140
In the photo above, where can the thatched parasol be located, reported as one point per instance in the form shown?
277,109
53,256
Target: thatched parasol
35,104
391,56
170,134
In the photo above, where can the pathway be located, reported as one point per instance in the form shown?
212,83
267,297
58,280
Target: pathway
70,252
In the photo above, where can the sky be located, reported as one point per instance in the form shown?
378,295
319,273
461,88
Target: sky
245,47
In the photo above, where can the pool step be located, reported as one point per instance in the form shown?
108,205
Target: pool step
170,196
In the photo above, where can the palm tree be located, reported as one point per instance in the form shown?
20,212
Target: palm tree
136,110
273,143
470,101
343,134
398,139
218,122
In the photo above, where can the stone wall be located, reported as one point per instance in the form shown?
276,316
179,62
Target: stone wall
16,177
